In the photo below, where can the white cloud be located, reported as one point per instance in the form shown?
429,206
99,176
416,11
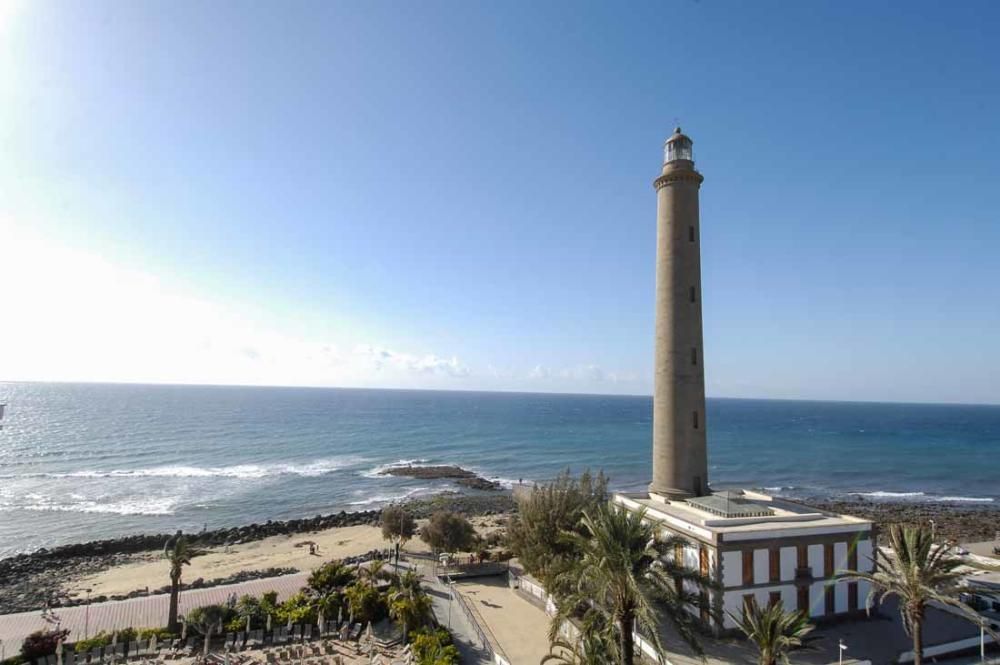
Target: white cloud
69,315
382,358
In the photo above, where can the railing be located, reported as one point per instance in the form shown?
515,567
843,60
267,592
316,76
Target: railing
486,637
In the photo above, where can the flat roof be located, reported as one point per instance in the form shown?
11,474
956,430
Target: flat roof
750,515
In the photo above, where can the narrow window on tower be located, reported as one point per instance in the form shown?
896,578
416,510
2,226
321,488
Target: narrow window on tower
692,294
691,234
694,356
694,417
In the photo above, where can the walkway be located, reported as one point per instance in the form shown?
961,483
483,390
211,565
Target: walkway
520,627
449,615
149,611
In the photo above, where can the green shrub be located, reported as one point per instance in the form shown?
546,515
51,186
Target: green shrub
162,634
42,643
433,647
101,639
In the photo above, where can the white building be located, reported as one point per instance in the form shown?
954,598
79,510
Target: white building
757,546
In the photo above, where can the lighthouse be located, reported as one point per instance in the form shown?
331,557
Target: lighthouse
749,543
680,462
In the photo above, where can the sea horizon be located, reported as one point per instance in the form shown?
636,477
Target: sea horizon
488,392
138,458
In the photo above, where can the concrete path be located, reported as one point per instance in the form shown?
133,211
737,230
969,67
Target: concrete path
144,612
519,627
449,615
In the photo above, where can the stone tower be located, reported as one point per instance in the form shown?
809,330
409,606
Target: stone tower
680,463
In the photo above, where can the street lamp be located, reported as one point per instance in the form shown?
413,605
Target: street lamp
841,650
86,617
982,640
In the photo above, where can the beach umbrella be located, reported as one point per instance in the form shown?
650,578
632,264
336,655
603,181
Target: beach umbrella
269,623
226,659
340,615
320,623
59,652
184,630
152,643
208,638
248,624
289,626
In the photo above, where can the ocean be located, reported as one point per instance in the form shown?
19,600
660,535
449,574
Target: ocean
88,461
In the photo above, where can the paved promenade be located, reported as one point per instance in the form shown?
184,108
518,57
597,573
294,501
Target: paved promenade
150,611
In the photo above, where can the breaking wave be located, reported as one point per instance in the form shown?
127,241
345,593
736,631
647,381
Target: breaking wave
246,471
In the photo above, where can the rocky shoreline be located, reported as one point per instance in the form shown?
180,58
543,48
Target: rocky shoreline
461,476
36,579
965,524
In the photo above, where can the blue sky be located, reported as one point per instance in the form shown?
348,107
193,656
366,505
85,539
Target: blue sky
458,194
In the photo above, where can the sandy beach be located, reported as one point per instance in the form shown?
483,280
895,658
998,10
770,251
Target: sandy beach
286,551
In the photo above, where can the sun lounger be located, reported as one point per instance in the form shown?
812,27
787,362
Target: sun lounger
355,632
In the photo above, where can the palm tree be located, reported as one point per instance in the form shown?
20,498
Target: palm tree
408,604
373,572
625,577
918,572
588,649
178,551
773,631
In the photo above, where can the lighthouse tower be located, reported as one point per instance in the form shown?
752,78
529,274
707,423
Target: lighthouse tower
751,544
680,466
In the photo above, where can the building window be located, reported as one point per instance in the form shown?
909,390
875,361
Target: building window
690,234
747,567
703,560
703,606
802,600
828,599
679,554
774,598
852,556
694,419
692,294
852,596
694,356
802,557
828,560
774,558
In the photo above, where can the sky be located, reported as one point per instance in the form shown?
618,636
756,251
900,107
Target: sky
458,195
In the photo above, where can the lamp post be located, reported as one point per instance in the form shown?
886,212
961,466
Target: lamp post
86,616
982,640
840,651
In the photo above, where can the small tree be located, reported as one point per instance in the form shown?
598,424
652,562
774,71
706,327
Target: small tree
448,532
330,577
362,601
398,526
408,604
178,551
434,647
536,532
773,631
42,643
